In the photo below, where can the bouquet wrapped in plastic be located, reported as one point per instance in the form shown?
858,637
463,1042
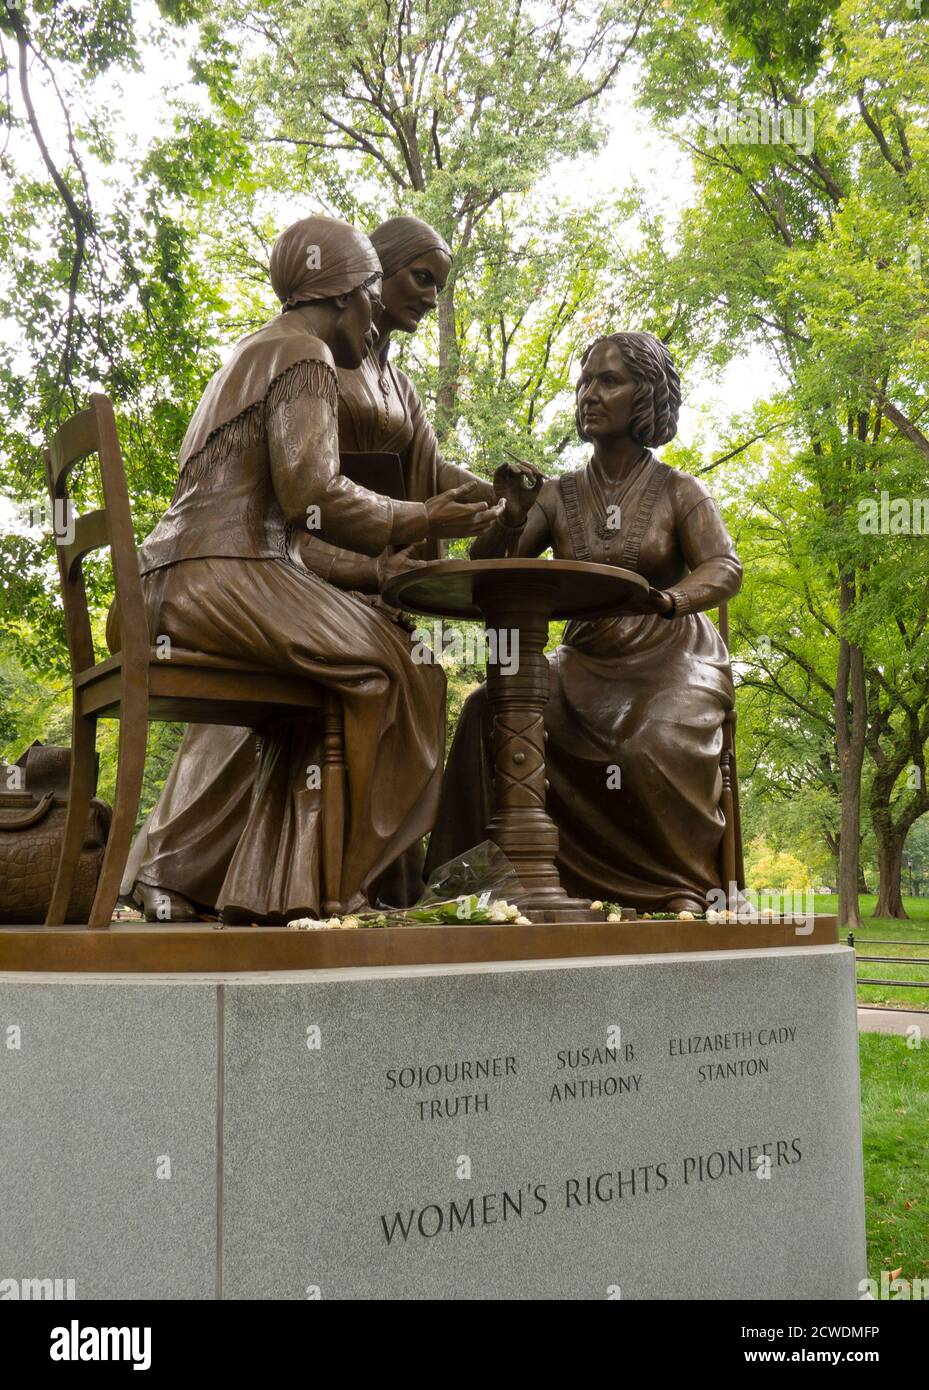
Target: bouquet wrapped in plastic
475,889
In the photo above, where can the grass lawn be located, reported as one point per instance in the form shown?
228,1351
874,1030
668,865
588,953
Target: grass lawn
889,929
894,1097
895,1122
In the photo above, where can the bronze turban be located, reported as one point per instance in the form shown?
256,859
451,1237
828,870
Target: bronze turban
319,258
401,239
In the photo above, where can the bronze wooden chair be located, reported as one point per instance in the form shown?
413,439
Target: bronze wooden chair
731,857
136,687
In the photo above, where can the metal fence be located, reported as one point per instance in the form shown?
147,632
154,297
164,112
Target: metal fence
888,960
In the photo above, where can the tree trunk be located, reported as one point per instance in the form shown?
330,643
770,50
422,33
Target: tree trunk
862,881
851,727
890,862
446,400
892,820
447,394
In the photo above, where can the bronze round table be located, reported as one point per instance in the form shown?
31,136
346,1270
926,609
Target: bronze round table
522,597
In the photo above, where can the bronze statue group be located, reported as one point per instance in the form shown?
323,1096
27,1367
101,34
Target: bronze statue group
271,554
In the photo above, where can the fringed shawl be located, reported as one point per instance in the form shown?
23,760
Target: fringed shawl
232,411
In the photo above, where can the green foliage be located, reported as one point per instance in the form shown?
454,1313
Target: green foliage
451,111
101,288
916,856
811,246
768,868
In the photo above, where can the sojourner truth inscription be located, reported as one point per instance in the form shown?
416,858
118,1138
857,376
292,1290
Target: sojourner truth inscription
583,1072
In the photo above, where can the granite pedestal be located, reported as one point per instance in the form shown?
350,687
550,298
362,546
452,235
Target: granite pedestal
636,1127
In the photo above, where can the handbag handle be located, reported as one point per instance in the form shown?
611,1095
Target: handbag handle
23,819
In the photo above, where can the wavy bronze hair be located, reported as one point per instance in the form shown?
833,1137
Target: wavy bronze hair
657,398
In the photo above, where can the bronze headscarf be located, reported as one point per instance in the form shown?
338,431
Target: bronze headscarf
400,240
317,258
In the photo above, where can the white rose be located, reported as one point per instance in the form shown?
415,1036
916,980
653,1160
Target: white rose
497,916
712,915
523,922
350,921
685,917
333,923
596,905
614,917
512,912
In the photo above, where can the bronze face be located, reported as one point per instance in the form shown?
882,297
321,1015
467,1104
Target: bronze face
353,334
605,394
413,291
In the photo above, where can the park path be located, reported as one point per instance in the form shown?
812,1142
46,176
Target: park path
892,1020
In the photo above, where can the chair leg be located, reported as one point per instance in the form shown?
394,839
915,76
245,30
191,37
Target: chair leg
736,807
729,871
80,791
333,807
133,742
731,862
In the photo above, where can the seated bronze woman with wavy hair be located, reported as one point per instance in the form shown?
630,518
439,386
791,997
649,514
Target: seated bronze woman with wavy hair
635,716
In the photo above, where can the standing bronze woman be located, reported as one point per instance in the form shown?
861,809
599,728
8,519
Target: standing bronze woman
222,574
182,854
635,716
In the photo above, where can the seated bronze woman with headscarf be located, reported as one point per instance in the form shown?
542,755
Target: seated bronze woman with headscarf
635,717
181,855
222,573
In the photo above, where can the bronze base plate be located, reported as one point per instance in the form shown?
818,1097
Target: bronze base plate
198,946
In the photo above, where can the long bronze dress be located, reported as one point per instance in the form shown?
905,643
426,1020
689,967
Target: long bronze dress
221,575
634,720
189,839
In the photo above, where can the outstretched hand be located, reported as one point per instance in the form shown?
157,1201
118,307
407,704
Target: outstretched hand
392,563
448,515
518,485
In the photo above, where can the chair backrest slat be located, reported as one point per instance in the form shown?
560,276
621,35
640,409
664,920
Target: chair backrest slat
91,532
71,442
93,431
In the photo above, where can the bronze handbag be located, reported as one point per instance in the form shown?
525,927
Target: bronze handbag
33,807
